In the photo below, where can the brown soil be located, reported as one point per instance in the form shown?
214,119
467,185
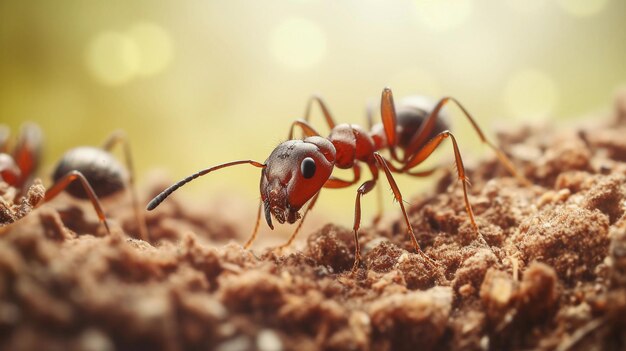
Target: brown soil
553,278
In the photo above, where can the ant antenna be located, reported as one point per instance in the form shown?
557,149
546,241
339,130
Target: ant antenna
165,193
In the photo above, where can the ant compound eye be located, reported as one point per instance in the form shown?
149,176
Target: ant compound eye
307,167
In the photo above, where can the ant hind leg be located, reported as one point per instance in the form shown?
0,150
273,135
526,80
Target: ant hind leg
65,181
120,137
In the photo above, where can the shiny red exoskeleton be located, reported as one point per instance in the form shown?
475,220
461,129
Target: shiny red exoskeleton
297,170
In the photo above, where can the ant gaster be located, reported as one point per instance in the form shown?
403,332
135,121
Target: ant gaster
99,175
297,170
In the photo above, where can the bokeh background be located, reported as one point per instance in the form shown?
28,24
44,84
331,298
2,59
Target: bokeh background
196,83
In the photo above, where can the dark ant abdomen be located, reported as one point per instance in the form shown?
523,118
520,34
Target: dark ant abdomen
408,121
103,172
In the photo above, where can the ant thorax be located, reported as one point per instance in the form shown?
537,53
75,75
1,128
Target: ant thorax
352,143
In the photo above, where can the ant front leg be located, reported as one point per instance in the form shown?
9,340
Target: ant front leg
118,137
331,183
295,232
256,227
69,178
291,238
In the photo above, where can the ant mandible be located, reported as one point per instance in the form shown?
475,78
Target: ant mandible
99,175
297,170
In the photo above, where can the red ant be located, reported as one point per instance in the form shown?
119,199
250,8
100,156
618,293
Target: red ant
100,175
18,166
297,170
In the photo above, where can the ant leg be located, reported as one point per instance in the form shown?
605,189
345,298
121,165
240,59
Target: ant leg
428,125
69,178
293,236
379,206
388,115
331,183
307,129
256,227
336,183
398,196
363,189
27,151
428,149
327,115
425,173
120,137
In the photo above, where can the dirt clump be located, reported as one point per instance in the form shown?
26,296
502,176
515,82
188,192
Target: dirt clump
14,206
549,272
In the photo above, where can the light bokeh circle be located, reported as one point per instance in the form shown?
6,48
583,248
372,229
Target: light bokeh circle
112,58
583,8
154,45
442,15
530,94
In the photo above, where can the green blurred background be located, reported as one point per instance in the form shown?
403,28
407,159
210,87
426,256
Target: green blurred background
196,83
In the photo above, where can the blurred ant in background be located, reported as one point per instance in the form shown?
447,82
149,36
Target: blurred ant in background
93,173
98,173
297,170
19,165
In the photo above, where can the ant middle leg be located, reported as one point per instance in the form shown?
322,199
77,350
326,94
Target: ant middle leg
398,196
65,181
119,137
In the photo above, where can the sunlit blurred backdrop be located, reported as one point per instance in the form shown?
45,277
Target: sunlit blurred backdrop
196,83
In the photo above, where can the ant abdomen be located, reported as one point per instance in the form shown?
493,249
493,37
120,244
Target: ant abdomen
103,172
410,114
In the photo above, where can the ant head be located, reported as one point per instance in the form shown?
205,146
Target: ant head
295,171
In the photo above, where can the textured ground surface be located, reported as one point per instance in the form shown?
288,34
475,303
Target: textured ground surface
553,278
